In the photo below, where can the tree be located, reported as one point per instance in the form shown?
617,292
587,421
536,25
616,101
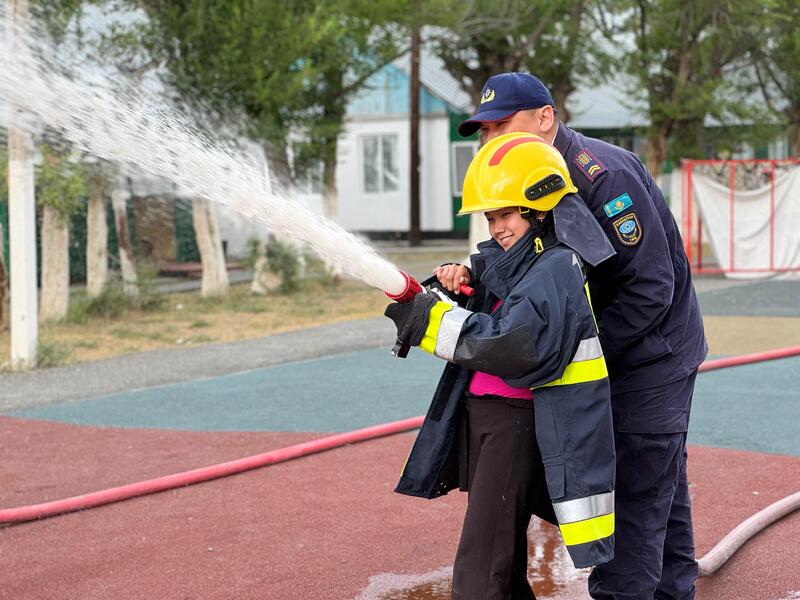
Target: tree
554,41
209,243
777,69
680,56
60,189
127,266
481,38
268,68
100,176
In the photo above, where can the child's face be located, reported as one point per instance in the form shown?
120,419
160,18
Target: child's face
507,226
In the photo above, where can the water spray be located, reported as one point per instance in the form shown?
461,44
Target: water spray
128,125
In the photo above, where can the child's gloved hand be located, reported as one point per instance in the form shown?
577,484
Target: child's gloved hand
411,318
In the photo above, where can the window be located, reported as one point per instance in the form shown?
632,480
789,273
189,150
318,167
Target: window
381,171
461,156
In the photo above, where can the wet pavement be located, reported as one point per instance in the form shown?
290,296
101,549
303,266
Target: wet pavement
550,573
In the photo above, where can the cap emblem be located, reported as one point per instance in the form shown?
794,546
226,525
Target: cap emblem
488,95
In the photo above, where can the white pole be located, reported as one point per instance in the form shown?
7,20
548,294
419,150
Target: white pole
21,232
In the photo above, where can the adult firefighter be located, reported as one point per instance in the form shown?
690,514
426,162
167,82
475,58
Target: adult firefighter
521,417
651,332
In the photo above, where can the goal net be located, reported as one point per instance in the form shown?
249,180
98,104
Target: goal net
741,217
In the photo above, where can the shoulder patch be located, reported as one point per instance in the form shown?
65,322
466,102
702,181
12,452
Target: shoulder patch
588,164
617,205
628,229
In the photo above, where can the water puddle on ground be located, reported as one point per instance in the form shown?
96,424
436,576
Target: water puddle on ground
550,572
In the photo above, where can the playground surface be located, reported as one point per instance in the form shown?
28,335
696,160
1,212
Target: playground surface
328,526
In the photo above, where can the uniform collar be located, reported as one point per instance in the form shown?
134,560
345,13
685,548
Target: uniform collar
563,138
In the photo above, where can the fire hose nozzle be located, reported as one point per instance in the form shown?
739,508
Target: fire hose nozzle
411,289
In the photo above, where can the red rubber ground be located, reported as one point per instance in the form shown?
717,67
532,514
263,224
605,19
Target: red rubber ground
316,528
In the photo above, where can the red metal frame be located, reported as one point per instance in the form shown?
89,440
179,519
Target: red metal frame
694,248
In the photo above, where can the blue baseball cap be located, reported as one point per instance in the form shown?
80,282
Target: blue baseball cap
505,94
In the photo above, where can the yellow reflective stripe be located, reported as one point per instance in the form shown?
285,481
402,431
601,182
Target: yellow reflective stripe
435,315
589,530
580,372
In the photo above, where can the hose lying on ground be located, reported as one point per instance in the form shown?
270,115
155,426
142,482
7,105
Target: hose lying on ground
719,554
57,507
707,564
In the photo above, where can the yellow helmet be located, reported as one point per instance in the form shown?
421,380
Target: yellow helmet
515,169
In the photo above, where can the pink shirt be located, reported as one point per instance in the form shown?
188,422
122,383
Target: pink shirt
484,384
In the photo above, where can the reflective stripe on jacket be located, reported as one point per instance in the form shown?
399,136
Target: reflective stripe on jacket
543,337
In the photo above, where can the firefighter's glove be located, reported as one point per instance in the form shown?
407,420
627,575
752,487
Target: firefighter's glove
411,318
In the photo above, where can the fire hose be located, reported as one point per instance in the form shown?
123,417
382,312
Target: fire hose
708,564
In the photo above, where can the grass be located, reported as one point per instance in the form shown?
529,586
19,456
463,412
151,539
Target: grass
115,324
186,319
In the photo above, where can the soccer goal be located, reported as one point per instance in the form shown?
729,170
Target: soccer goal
741,217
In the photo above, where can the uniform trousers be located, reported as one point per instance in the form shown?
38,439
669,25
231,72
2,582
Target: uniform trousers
506,481
654,556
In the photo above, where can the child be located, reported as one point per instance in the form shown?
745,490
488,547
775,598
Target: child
521,417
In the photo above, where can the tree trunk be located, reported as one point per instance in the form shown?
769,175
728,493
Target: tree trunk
215,275
264,280
55,265
561,91
278,163
96,240
657,150
130,282
2,279
794,139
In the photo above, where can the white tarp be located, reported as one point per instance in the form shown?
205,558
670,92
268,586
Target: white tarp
751,223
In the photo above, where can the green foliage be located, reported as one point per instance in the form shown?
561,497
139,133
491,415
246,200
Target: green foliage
52,354
284,260
680,60
113,302
110,304
265,66
777,68
555,41
60,182
254,249
56,15
149,297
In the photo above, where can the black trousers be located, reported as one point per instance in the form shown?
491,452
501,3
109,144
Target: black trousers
654,557
506,482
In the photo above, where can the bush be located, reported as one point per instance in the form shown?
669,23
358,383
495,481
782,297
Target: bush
110,304
285,261
149,298
52,354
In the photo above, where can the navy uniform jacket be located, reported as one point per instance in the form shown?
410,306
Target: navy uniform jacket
543,336
648,315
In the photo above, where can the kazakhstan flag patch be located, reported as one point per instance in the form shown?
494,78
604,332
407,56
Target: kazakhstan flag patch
617,205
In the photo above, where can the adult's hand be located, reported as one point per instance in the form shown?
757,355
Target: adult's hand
452,276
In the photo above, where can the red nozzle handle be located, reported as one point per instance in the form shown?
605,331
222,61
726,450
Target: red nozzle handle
412,289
